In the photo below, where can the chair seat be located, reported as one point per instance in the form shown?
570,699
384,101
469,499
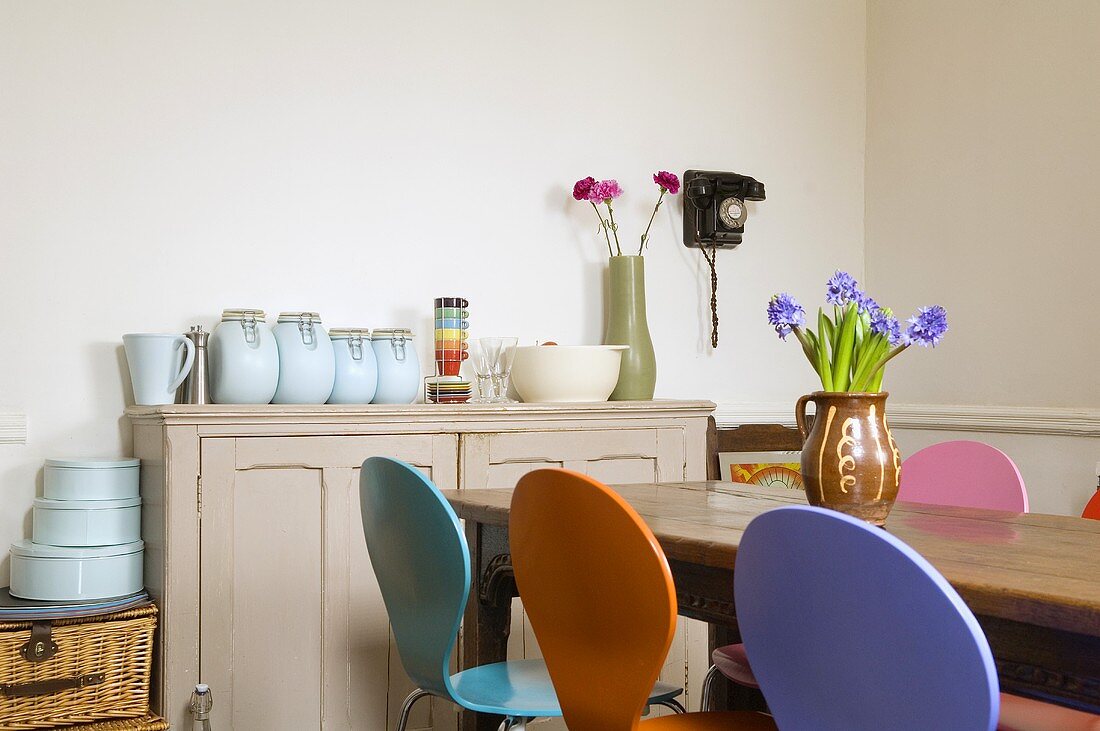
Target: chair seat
717,721
1025,714
521,688
732,662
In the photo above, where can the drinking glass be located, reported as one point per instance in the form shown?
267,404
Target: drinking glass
500,368
479,359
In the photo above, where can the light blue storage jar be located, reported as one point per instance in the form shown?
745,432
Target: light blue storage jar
244,359
86,522
307,365
55,573
398,366
90,479
356,366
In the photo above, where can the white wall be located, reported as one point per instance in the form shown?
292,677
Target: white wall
983,145
162,161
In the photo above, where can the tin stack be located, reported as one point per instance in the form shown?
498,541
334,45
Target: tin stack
451,348
86,536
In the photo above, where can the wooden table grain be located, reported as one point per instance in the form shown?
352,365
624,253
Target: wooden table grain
1032,580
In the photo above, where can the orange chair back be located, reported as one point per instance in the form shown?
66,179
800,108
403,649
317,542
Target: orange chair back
599,594
1092,509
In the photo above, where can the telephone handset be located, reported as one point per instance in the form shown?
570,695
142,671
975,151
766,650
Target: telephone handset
714,218
714,207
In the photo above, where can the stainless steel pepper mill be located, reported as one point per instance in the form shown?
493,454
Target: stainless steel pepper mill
196,389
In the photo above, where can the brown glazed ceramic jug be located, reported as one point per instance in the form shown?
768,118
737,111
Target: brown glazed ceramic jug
850,462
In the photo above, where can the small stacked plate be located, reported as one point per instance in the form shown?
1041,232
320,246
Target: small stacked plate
447,390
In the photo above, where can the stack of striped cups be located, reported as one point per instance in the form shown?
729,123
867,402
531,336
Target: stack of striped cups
451,348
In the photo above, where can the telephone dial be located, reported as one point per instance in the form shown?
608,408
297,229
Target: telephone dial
714,207
714,218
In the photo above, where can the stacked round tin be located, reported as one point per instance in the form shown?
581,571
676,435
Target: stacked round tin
86,534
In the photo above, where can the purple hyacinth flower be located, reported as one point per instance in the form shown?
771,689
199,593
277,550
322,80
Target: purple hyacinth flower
883,322
785,313
898,337
928,326
865,303
880,321
842,288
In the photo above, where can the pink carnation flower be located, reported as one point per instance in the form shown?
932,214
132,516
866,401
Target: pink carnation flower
605,190
668,181
583,187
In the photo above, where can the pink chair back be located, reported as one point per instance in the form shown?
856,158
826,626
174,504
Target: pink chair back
965,474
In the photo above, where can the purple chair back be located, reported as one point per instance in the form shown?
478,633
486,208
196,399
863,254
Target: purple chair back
965,474
850,629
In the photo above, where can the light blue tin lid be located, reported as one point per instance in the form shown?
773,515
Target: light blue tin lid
48,504
93,464
27,549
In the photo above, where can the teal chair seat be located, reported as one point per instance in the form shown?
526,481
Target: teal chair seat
522,688
420,558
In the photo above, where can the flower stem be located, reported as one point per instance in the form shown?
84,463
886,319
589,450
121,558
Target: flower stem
876,382
842,357
614,226
809,344
879,366
603,225
869,357
823,368
645,236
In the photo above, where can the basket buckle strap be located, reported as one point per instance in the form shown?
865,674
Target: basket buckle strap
42,687
40,647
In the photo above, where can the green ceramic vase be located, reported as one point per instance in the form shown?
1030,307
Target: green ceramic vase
627,325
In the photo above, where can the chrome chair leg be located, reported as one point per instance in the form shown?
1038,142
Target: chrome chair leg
520,724
708,687
674,704
406,709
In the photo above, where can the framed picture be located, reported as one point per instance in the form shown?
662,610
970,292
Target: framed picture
768,469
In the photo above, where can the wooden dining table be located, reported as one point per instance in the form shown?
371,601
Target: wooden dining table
1032,580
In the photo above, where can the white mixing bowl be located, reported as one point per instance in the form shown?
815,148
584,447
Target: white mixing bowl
560,373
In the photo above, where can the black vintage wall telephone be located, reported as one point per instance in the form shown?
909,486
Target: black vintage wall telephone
714,218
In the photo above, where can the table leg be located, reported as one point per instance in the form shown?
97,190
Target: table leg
487,620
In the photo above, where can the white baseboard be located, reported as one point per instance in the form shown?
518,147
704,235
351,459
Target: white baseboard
13,428
941,417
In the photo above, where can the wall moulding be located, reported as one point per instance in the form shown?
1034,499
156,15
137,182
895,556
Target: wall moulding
13,427
1051,421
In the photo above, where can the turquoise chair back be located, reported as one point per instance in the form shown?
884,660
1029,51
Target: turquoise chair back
422,564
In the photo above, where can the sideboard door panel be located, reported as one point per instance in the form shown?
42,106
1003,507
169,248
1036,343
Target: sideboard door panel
294,633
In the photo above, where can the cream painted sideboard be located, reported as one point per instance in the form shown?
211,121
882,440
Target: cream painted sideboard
254,548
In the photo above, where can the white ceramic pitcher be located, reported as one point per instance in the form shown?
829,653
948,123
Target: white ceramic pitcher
154,360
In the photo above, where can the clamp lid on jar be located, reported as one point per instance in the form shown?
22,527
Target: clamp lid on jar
398,337
337,333
306,321
355,337
390,333
299,316
243,314
248,319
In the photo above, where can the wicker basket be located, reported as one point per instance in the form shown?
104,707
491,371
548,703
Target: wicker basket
145,723
86,670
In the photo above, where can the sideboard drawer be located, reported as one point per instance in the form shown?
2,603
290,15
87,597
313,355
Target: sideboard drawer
610,455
